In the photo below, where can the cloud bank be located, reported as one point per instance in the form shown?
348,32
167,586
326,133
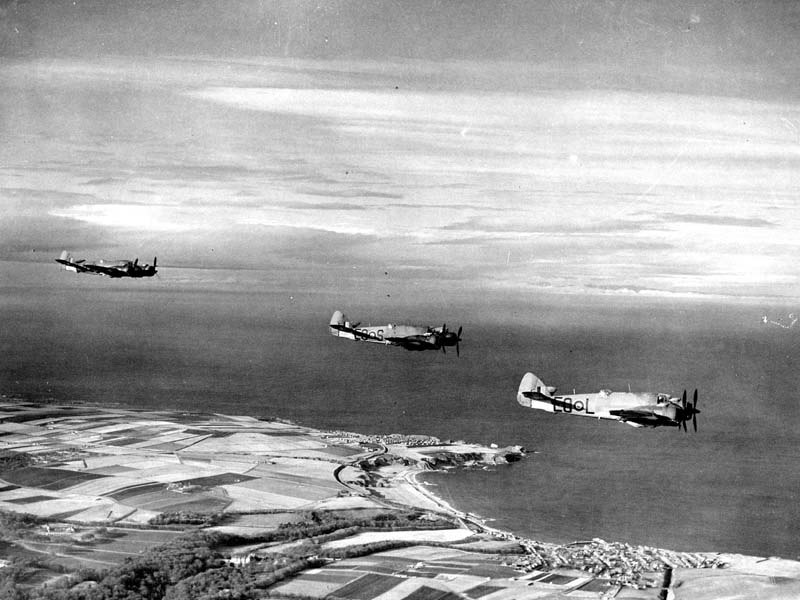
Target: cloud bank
579,191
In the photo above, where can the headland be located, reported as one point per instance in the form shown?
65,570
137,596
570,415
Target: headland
274,509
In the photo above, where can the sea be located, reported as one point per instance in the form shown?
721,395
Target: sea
244,343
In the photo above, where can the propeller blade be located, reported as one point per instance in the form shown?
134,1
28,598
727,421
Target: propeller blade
684,424
694,410
458,351
683,400
458,335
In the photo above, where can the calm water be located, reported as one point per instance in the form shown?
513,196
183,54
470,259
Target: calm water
254,346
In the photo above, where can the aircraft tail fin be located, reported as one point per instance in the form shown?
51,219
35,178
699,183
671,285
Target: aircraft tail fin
65,256
533,388
338,320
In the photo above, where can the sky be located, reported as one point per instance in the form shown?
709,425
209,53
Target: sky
636,149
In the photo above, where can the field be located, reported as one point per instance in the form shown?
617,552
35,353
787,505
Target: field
369,537
54,479
368,586
127,466
429,593
93,486
318,584
90,547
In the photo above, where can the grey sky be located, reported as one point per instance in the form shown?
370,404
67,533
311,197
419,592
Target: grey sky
600,147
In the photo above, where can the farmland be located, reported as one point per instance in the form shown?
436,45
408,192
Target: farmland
90,495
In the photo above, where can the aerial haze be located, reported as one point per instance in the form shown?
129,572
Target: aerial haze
603,192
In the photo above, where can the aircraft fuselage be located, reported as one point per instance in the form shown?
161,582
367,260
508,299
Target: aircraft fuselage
638,409
379,333
410,337
599,405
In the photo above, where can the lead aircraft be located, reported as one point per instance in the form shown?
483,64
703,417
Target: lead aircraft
638,409
410,337
118,268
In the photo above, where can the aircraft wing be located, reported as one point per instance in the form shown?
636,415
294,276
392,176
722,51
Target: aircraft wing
540,396
103,270
411,343
350,330
79,268
641,416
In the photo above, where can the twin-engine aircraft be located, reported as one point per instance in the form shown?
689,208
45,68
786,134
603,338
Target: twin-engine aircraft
410,337
638,409
118,268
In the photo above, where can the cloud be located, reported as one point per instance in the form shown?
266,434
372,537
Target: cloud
722,220
323,206
325,166
512,225
351,193
136,216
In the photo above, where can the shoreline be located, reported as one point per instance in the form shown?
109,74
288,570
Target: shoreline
683,571
82,469
472,518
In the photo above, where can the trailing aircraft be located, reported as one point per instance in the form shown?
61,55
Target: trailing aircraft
410,337
118,268
638,409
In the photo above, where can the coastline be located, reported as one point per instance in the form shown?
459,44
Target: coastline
699,575
478,521
150,476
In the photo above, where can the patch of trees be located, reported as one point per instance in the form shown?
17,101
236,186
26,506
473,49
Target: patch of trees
187,518
240,583
146,577
10,461
326,525
13,577
15,525
191,567
21,575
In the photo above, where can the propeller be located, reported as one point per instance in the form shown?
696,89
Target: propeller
688,411
152,269
448,338
683,410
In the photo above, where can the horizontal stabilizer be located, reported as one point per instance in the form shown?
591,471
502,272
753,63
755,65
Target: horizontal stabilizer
339,326
533,388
